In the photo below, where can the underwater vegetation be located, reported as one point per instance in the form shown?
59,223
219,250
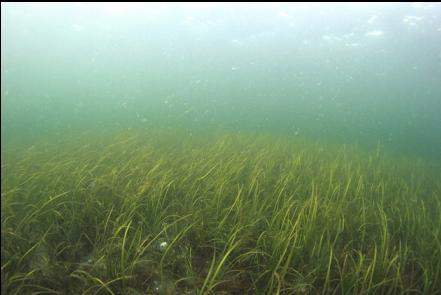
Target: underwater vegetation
157,212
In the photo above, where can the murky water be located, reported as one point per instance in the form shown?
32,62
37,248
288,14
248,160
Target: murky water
176,148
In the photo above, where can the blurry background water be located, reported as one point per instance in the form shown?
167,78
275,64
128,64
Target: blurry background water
343,73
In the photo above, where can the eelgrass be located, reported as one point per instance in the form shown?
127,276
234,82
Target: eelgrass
237,215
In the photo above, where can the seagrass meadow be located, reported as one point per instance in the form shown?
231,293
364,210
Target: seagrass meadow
238,214
203,149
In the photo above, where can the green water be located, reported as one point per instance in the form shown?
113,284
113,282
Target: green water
233,124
